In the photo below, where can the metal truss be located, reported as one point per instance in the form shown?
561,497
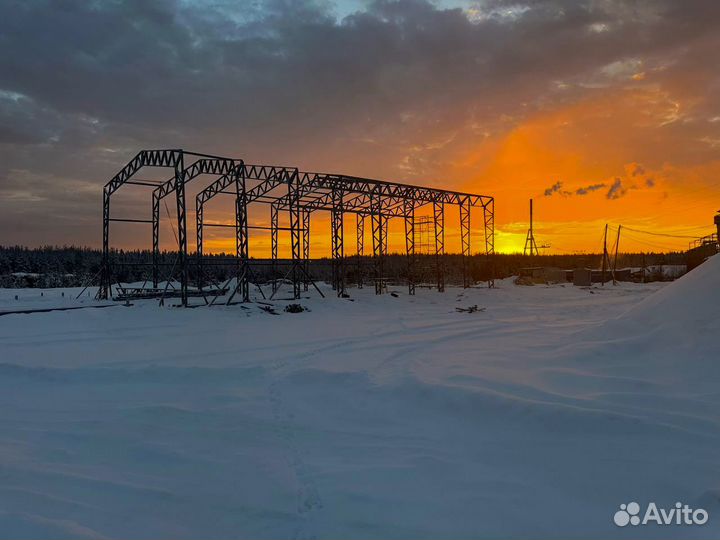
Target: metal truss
299,194
215,166
172,159
265,178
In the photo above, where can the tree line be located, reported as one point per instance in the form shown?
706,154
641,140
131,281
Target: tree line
71,266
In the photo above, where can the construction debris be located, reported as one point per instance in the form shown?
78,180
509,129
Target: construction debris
471,309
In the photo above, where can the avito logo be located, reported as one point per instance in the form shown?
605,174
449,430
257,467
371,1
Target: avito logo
681,514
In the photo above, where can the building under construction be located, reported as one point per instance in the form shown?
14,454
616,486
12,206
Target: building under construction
294,195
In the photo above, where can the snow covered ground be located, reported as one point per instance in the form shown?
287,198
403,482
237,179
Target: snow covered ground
381,417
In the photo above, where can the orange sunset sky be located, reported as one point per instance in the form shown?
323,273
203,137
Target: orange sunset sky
633,137
601,111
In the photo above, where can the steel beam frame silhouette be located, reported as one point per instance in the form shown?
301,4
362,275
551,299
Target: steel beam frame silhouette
299,195
173,159
213,166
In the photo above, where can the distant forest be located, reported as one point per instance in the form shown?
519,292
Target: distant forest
75,266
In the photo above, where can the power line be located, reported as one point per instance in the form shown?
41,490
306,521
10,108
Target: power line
653,245
705,188
680,209
659,234
633,238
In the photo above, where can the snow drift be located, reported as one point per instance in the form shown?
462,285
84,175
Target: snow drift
671,335
690,302
383,417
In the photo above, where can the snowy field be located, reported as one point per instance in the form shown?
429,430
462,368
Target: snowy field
381,417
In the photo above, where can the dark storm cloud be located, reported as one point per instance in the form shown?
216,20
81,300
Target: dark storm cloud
167,64
83,84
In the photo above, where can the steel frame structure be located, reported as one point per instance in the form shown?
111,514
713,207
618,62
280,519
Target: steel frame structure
299,194
210,166
169,158
266,178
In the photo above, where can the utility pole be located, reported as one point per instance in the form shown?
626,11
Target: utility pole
604,255
530,244
643,267
617,244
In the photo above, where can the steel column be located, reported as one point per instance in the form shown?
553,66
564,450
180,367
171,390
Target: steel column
274,244
378,247
241,238
104,290
295,232
465,239
338,250
360,247
439,222
155,238
409,211
489,229
306,248
386,221
182,230
199,228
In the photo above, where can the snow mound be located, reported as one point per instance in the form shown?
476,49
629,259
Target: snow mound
683,314
693,299
657,360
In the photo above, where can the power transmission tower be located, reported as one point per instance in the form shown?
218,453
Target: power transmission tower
530,245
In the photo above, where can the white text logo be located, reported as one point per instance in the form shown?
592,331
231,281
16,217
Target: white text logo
680,514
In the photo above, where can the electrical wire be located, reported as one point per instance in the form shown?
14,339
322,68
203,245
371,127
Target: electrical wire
654,245
633,238
668,235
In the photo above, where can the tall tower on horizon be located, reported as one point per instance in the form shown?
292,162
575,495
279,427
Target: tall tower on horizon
530,245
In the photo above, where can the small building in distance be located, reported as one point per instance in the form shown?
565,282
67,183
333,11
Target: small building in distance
582,277
544,274
585,277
